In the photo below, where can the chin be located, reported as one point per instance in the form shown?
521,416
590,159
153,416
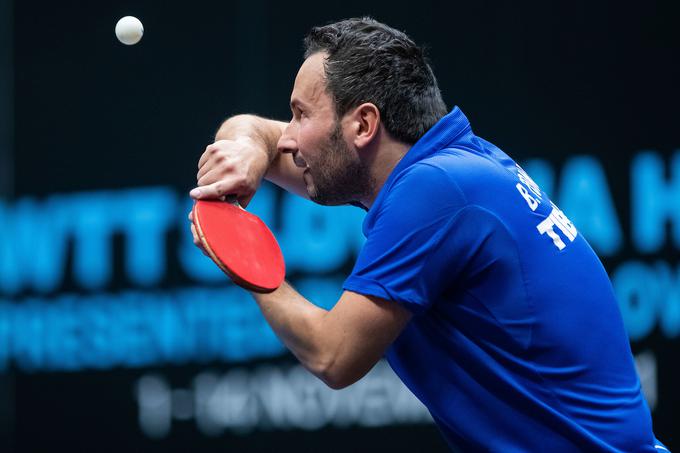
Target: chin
325,201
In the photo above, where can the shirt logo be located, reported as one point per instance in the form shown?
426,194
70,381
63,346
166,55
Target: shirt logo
532,195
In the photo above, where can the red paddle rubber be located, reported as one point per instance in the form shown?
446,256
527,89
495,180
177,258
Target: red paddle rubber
240,244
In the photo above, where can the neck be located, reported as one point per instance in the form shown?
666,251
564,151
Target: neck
388,152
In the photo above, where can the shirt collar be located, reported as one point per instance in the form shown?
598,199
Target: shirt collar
450,129
446,131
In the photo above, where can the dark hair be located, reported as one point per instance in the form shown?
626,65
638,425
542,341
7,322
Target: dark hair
371,62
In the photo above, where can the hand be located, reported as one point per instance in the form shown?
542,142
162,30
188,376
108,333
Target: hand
231,167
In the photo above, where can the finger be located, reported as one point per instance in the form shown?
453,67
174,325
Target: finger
209,150
191,216
209,164
213,176
197,240
195,237
203,169
203,158
217,190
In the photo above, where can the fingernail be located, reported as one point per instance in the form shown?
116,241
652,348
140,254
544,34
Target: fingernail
196,193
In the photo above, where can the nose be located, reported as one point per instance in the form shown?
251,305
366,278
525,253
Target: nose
287,142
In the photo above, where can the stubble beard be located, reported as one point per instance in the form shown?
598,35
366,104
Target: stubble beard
339,177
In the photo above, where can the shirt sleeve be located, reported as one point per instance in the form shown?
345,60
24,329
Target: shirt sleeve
409,254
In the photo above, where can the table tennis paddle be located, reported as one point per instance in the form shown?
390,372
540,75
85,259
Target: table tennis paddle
240,244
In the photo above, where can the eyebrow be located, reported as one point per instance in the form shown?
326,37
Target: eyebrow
294,102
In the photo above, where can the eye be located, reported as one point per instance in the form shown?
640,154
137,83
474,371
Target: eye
298,113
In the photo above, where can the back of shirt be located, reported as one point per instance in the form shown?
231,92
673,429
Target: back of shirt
517,343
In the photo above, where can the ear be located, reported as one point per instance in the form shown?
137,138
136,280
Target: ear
365,123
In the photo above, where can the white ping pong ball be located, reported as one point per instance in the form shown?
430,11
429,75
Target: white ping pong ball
129,30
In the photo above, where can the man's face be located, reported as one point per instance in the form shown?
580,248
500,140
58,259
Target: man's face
333,173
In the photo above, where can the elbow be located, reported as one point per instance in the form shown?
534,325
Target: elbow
335,375
336,382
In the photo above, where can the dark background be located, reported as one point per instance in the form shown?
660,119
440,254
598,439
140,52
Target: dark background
540,80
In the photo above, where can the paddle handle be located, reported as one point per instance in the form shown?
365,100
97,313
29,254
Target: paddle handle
233,200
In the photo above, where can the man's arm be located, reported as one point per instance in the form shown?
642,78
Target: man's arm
341,345
245,151
338,346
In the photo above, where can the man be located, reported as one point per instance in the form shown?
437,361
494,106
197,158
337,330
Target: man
483,296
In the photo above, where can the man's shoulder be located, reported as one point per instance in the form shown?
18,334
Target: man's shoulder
432,179
445,173
423,193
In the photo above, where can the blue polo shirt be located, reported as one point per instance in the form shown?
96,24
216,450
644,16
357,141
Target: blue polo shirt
517,343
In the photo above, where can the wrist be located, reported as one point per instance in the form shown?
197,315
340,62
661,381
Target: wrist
258,144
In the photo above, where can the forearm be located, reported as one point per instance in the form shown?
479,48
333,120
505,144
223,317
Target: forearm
338,346
300,325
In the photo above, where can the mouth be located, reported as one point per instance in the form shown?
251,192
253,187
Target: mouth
299,161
